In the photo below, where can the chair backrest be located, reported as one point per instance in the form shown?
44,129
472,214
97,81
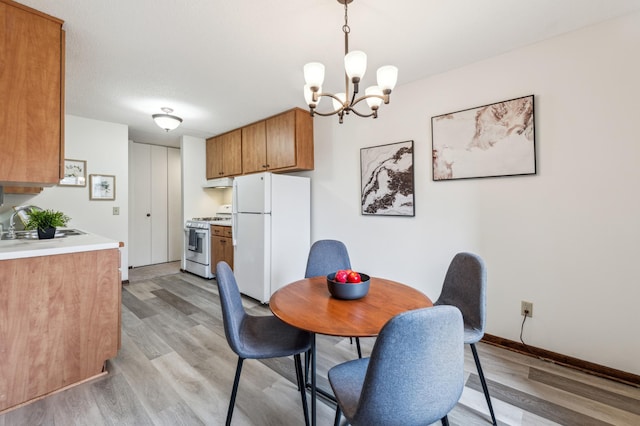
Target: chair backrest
465,287
325,257
416,370
233,312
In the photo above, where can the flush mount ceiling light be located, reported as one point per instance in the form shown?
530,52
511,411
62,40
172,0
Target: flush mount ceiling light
167,121
355,64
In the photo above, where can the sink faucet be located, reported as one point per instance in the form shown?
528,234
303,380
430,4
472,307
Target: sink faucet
11,234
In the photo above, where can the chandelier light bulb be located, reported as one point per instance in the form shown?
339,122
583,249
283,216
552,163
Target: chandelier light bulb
374,102
338,105
314,74
387,78
308,96
355,64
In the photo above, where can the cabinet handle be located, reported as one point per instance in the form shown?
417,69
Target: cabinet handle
148,214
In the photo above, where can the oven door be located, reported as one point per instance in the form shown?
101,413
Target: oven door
197,244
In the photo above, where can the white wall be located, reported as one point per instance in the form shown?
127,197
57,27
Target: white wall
565,239
104,147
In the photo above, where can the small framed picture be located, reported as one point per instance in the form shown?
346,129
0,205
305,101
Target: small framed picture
75,173
102,187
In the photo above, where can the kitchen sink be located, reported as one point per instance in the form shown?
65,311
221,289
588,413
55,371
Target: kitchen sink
33,235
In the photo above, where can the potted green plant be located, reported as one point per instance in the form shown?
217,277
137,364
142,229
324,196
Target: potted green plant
46,222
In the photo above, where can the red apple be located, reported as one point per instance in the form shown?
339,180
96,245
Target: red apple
353,277
341,276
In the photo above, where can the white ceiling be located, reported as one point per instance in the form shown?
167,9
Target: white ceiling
221,64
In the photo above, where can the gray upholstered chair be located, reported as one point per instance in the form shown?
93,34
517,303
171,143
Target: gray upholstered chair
415,374
465,287
325,257
257,337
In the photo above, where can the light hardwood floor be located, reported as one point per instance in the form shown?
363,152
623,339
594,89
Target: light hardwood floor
175,368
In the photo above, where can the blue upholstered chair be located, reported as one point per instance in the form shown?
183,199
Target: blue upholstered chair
415,374
257,337
465,287
325,257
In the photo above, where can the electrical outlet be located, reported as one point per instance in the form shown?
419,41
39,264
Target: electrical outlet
116,211
526,308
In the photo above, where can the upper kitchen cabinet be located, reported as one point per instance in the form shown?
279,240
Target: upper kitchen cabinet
32,93
224,155
280,143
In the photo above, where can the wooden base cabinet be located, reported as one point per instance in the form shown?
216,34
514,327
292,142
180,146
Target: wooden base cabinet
59,321
221,245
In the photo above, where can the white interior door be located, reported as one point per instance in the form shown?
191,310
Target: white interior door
140,205
159,208
155,197
174,205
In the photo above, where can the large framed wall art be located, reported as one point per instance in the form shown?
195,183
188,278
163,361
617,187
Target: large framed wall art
387,179
487,141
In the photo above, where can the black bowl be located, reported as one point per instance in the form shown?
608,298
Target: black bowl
348,291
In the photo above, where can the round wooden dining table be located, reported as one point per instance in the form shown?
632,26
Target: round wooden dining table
307,304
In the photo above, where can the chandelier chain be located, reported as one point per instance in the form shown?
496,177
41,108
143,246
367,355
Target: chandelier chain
345,27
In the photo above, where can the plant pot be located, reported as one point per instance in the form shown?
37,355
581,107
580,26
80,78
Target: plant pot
47,233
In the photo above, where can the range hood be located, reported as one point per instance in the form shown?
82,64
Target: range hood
218,183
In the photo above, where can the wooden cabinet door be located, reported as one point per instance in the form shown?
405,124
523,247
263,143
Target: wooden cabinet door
214,158
221,250
232,153
32,85
227,249
281,140
221,245
224,155
254,148
60,321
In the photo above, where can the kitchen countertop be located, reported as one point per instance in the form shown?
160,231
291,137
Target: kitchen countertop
18,249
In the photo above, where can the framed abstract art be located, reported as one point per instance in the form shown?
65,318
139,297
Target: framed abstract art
492,140
387,180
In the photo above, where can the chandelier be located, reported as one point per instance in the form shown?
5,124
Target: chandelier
355,64
167,121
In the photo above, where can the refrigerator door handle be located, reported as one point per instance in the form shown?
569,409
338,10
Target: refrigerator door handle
234,212
234,225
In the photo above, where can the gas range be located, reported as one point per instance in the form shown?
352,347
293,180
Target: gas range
205,222
221,218
197,242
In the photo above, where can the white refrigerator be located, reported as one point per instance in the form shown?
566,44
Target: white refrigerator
271,231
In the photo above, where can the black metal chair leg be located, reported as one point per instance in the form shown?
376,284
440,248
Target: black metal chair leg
445,421
307,364
232,402
358,347
336,422
301,387
483,382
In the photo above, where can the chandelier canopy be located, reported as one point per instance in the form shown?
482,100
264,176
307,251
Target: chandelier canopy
355,64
